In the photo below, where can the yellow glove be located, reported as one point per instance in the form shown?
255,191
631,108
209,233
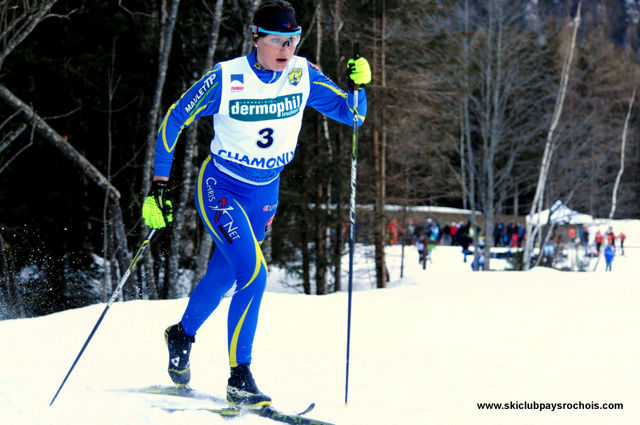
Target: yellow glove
358,71
156,207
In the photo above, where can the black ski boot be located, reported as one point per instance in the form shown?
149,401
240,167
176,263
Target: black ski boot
243,391
179,344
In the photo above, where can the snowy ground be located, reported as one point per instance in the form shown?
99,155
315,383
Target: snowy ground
425,351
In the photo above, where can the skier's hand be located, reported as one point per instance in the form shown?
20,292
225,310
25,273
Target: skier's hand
358,71
157,207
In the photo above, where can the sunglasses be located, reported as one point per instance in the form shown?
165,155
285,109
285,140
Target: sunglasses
278,39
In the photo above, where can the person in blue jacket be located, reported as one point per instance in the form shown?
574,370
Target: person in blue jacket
257,103
609,253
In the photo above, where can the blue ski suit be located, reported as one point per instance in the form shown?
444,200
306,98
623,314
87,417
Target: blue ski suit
236,199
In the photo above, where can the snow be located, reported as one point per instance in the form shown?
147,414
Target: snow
424,351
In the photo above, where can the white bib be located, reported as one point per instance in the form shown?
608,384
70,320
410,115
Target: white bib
258,124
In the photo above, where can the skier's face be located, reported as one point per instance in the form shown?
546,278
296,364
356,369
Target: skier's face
274,56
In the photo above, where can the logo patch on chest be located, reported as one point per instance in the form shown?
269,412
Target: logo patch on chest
237,82
265,109
295,76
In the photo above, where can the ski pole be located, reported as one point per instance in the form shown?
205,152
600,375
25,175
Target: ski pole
352,217
115,294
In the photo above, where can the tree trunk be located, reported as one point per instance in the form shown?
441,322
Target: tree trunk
320,212
383,142
168,21
378,159
463,168
470,157
247,45
304,247
107,224
183,214
405,207
550,146
614,195
339,213
9,295
206,242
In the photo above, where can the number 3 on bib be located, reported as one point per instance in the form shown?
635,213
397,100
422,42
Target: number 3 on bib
267,138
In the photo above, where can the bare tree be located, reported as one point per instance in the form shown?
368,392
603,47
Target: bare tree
182,212
249,7
18,18
206,242
11,303
550,146
84,165
321,211
466,149
165,38
167,25
112,84
339,220
614,195
379,141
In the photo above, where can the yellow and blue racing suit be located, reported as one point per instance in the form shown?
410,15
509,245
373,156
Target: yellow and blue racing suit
236,192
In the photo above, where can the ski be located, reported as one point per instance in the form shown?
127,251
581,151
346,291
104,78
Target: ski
184,391
229,411
265,412
271,413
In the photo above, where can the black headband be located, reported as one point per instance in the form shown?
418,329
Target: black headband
276,19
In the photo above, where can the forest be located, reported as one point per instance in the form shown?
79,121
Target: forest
496,106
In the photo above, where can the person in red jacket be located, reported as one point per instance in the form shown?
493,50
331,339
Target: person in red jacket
611,238
598,239
622,237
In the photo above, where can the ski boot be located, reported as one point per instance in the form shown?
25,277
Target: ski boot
242,389
179,344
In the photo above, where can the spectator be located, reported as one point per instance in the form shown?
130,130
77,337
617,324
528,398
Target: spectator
609,253
510,231
453,229
514,240
498,234
420,246
478,264
611,237
446,234
435,232
598,239
412,227
549,252
392,232
465,240
584,239
520,230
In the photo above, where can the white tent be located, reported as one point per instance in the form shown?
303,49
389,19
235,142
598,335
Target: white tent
560,214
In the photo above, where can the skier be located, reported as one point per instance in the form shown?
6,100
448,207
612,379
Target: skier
257,103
